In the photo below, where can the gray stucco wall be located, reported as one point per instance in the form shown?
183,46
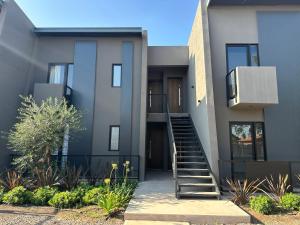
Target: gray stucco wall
16,46
279,36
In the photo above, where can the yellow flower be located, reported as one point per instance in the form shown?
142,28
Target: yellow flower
107,181
127,162
114,166
127,170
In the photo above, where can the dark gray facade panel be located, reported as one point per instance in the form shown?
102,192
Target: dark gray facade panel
83,93
126,98
279,46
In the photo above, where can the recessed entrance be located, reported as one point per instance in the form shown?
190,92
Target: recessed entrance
175,95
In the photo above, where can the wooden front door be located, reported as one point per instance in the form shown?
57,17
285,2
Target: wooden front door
155,97
155,146
175,95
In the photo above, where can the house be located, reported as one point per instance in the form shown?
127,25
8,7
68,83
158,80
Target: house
225,105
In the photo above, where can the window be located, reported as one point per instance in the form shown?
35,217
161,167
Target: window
247,144
247,141
61,74
116,75
114,138
241,55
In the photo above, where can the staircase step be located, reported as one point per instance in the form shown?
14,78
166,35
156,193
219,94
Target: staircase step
190,157
196,185
194,170
194,177
192,163
188,151
198,194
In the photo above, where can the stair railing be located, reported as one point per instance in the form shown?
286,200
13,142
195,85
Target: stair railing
173,150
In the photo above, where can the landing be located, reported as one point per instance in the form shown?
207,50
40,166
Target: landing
155,201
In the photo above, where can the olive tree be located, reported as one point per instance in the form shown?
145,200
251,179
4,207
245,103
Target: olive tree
41,129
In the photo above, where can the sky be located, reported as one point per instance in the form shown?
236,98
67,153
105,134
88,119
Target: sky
168,22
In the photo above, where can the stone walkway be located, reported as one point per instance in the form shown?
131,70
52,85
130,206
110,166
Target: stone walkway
155,201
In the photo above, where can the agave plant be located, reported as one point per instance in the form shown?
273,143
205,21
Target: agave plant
11,180
242,190
275,189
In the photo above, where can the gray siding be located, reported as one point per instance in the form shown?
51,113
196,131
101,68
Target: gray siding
16,47
279,36
83,93
126,99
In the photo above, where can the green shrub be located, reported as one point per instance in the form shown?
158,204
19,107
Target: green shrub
1,193
64,200
80,191
42,195
91,197
290,201
17,196
262,204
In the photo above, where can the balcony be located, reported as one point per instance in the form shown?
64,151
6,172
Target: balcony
252,87
42,91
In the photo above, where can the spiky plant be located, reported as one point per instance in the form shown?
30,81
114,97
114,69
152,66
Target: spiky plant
11,180
275,189
242,190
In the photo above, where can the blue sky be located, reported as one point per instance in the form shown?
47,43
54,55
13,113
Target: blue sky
168,21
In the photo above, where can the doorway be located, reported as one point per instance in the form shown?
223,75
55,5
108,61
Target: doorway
175,95
157,147
155,97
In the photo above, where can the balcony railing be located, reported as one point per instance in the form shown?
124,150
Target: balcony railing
97,165
251,170
252,86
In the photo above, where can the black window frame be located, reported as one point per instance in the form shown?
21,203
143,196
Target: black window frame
109,145
112,75
252,124
248,45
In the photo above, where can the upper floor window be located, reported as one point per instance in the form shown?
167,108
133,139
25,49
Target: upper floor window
61,74
116,75
241,55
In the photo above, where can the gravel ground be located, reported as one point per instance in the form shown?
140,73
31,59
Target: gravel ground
45,216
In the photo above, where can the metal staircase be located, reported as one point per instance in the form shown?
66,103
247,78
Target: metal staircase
191,170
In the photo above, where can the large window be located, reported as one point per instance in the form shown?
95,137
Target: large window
61,73
114,138
247,141
116,75
241,55
247,144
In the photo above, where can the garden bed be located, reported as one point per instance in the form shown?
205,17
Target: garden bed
290,218
48,215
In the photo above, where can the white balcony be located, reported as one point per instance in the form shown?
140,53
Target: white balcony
252,87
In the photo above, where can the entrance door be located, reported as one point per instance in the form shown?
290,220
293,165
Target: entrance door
155,146
155,97
175,95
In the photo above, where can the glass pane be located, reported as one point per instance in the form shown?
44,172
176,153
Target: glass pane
117,75
237,56
254,55
259,142
114,138
241,142
57,74
231,85
70,75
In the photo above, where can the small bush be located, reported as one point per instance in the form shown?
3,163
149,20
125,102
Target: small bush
64,200
42,195
91,197
290,201
1,193
11,180
17,196
110,203
262,204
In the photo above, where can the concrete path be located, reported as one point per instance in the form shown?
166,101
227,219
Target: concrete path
155,201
